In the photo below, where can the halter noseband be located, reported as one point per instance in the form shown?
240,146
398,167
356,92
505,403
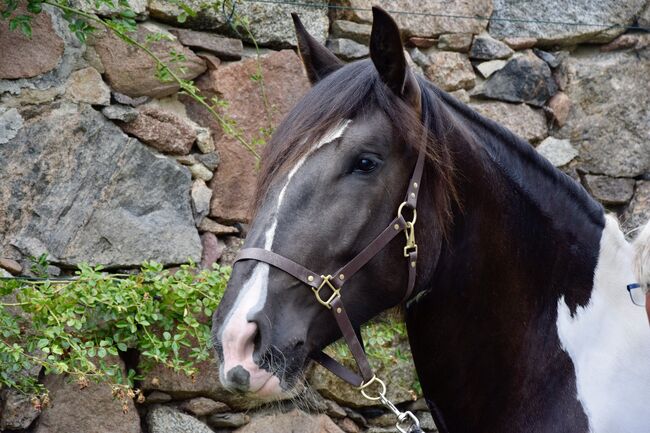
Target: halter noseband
320,283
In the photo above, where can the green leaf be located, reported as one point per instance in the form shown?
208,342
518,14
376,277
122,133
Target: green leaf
122,347
101,352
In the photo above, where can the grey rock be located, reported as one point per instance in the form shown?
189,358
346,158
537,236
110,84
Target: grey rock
202,406
426,421
638,212
91,409
10,123
223,47
293,421
644,16
200,171
123,113
355,416
461,95
127,100
75,187
485,47
358,32
450,71
418,405
420,59
210,160
158,397
228,420
347,49
460,42
609,118
558,152
232,246
334,410
16,410
524,78
513,18
552,60
87,86
201,196
270,24
163,419
205,383
526,122
610,190
137,6
438,17
488,68
208,225
187,159
204,139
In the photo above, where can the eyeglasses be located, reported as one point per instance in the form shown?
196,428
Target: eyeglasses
636,294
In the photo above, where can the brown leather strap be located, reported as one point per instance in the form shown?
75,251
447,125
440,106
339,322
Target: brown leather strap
333,365
370,251
413,189
351,339
412,264
287,265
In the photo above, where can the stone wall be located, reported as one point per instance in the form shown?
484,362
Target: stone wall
102,163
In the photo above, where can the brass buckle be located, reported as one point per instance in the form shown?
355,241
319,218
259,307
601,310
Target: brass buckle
335,292
411,246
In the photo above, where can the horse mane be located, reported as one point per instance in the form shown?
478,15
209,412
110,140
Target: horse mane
346,93
444,122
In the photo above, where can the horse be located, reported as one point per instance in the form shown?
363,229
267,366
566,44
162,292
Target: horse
519,319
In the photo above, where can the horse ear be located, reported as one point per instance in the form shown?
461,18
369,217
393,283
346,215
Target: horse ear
387,54
319,62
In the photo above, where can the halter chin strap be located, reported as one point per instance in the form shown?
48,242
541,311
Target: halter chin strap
327,289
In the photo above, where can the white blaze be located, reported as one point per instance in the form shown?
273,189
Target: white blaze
237,333
609,343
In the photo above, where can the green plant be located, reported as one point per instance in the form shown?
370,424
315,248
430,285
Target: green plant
73,327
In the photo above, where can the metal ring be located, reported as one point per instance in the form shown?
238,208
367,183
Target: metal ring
374,379
415,212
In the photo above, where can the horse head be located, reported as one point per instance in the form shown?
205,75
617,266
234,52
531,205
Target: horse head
333,176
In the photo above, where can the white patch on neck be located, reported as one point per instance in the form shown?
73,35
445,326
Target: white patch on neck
237,344
608,341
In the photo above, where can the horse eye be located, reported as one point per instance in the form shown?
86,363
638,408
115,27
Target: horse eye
365,165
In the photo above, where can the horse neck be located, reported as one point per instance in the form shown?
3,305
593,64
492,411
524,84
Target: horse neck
523,237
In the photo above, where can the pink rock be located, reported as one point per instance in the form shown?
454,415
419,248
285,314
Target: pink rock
24,57
130,71
212,250
560,107
161,129
234,181
520,43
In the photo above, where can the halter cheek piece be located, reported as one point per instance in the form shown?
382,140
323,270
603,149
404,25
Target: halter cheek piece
327,289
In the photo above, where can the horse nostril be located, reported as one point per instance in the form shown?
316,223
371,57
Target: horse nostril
298,345
238,378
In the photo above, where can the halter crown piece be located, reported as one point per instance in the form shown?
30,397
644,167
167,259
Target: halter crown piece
327,289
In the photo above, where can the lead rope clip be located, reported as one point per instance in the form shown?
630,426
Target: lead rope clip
405,420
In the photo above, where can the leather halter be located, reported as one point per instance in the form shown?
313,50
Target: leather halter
321,283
